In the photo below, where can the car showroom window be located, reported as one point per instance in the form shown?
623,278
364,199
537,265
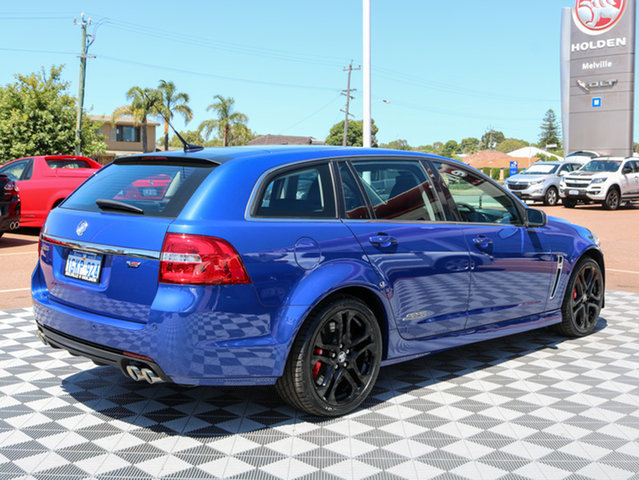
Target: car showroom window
354,204
399,190
301,193
477,200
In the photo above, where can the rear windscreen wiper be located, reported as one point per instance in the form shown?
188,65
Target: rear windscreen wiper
106,204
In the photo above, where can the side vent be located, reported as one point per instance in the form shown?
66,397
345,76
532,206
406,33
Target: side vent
560,267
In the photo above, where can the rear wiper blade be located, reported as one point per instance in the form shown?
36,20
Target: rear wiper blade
104,203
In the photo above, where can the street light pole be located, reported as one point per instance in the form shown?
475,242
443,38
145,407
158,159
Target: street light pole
366,70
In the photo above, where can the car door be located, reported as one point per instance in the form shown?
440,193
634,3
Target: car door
512,267
627,179
394,211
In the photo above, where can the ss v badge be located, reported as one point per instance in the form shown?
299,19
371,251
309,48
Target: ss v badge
132,264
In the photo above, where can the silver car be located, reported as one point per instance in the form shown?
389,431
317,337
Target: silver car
540,182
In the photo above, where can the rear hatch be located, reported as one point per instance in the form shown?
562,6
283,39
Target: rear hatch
101,247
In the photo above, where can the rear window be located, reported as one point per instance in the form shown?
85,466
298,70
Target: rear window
149,188
73,163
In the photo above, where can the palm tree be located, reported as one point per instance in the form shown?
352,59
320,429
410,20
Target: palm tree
173,101
144,102
225,121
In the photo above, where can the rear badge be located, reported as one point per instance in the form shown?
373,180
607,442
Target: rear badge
132,264
81,228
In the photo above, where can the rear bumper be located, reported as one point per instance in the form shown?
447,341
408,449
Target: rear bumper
194,335
100,354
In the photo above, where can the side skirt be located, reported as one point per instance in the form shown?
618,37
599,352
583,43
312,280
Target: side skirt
401,350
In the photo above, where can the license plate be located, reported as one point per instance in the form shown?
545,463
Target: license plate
83,266
573,192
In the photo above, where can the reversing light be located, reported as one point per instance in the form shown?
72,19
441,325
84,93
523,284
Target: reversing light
200,260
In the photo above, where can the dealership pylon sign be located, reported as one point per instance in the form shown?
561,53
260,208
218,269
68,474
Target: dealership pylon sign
598,76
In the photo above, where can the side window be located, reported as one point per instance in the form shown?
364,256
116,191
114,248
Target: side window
477,200
399,190
354,204
15,170
302,193
565,169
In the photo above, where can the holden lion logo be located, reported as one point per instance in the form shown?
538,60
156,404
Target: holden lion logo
597,16
81,228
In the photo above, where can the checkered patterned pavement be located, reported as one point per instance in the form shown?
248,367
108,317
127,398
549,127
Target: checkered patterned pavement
531,406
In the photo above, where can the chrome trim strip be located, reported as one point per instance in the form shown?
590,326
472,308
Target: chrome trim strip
102,249
560,267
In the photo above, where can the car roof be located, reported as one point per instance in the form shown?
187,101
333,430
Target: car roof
281,154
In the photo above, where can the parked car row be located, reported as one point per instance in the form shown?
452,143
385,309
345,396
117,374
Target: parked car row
581,177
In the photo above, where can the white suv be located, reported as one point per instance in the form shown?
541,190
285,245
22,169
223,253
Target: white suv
606,180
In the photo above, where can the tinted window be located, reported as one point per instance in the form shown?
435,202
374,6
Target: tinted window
601,166
354,204
160,189
399,190
15,170
301,193
71,163
477,200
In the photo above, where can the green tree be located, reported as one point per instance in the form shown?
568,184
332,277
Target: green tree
226,119
399,144
510,145
549,131
451,147
355,137
173,101
491,139
37,117
469,145
144,102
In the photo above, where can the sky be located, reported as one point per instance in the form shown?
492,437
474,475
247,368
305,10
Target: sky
440,70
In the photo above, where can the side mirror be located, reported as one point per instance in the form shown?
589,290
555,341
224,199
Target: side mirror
626,170
535,218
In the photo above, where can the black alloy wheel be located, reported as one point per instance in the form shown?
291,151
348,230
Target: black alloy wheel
569,202
583,299
334,361
551,197
612,199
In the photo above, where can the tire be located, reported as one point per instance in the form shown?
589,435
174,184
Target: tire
551,197
582,300
612,200
569,202
1,233
328,373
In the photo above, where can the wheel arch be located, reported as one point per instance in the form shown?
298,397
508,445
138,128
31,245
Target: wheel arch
597,256
371,300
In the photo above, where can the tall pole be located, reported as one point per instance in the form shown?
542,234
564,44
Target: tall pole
366,90
83,63
347,92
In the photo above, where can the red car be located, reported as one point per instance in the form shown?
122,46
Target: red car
9,204
44,181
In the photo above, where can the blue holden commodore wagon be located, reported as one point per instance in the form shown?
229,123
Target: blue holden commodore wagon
304,267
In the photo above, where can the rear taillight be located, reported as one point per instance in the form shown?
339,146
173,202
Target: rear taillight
200,260
11,188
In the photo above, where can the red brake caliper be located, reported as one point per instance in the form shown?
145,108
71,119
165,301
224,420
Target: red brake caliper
318,365
574,294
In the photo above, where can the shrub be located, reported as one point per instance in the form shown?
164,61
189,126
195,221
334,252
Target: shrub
494,173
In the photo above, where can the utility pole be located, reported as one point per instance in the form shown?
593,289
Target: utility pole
87,40
347,92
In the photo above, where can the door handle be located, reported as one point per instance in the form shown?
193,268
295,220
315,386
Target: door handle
382,240
482,242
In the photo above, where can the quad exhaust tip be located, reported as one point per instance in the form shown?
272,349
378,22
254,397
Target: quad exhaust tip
144,373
